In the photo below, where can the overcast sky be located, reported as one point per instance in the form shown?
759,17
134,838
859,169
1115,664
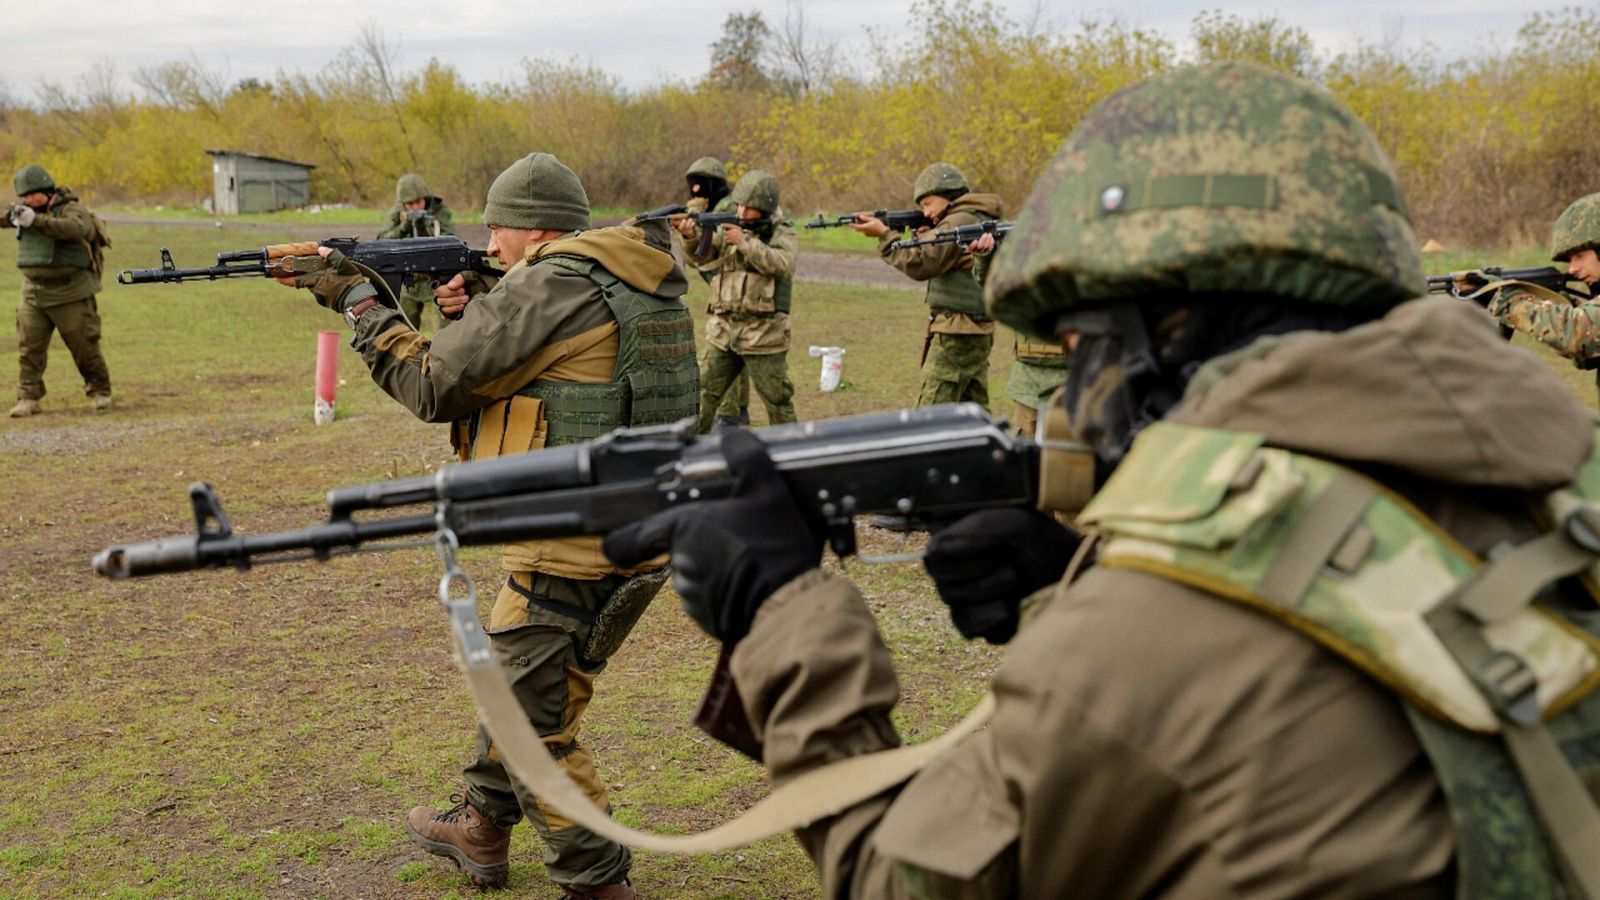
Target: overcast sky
642,42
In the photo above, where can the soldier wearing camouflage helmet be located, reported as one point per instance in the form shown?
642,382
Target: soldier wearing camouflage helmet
60,246
960,334
1285,668
751,285
707,181
1569,325
585,332
416,213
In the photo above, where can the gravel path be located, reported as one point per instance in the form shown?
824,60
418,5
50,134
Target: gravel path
815,266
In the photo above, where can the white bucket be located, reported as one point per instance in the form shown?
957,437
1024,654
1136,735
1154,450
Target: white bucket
832,367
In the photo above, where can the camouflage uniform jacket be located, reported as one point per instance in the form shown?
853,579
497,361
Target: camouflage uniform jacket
399,227
928,263
751,285
1572,331
540,321
65,221
698,204
1152,739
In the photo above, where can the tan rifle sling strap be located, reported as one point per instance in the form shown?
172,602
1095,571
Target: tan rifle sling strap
808,798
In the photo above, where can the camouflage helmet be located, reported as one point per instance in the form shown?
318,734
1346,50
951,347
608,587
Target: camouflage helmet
707,167
757,190
937,179
1578,228
33,178
1229,178
411,187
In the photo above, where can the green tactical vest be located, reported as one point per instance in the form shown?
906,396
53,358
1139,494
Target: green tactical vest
36,250
957,290
657,379
1501,691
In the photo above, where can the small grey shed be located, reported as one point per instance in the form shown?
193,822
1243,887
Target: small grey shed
252,183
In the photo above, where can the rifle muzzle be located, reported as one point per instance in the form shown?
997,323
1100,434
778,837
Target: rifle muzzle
175,554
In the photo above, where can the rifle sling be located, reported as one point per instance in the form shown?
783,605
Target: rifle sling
808,798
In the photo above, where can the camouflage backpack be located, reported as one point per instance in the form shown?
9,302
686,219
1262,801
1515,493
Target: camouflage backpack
1500,690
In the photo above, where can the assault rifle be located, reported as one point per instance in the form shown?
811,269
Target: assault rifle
896,219
935,461
1470,284
1473,280
709,222
394,262
961,234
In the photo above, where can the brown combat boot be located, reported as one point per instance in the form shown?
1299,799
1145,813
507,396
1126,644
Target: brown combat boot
479,847
622,891
25,408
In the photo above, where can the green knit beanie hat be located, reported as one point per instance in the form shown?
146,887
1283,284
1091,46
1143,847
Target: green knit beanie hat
537,192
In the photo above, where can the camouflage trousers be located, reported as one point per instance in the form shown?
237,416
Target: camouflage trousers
957,370
737,400
538,624
79,324
769,374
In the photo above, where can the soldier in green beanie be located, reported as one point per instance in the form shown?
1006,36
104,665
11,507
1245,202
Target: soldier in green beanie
955,366
585,332
59,250
417,213
751,286
1566,326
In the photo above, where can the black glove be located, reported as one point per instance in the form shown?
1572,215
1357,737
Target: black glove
339,286
729,556
986,563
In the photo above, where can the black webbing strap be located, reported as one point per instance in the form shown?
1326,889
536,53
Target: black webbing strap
560,608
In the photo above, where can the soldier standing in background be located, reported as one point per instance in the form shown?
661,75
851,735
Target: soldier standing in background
585,332
707,180
955,351
417,213
1040,367
59,245
752,282
1571,330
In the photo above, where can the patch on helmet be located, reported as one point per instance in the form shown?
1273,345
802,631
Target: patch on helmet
1111,199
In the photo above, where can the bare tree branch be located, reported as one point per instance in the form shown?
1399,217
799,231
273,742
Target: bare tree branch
379,53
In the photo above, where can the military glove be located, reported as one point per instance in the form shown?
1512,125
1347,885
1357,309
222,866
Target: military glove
339,286
22,216
729,556
986,563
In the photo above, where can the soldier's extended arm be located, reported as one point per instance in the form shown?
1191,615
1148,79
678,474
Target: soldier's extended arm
488,354
1572,331
397,225
775,257
70,222
928,260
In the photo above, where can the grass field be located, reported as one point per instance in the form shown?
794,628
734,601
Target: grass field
261,734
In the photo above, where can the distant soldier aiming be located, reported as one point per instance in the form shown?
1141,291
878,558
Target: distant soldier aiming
416,213
59,244
707,181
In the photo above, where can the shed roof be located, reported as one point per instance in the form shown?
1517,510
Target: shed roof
275,159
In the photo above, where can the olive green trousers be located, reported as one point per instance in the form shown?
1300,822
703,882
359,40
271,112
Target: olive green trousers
769,375
78,321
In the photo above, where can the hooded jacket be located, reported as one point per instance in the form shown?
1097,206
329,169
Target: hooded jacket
1152,739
